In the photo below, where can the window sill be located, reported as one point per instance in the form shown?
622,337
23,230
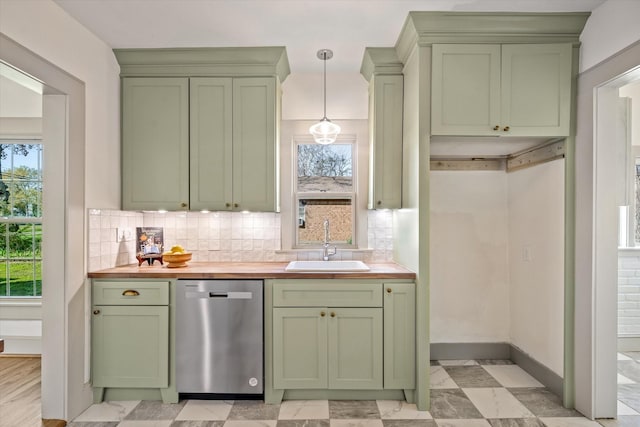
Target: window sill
311,254
20,301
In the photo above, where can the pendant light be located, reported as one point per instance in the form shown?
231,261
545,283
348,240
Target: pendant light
325,132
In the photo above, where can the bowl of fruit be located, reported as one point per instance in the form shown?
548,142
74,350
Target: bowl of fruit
176,257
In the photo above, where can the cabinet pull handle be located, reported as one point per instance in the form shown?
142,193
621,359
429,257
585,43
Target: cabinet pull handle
506,129
322,314
130,293
96,311
388,290
333,314
183,205
235,205
228,205
496,127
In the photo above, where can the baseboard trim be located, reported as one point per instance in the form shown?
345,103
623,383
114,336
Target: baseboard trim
628,343
537,370
470,351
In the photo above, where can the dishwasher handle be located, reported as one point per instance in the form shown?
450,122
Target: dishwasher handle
231,295
218,295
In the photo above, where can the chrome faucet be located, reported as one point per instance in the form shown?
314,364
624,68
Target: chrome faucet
326,250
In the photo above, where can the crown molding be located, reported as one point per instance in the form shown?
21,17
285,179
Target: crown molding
427,28
380,60
204,62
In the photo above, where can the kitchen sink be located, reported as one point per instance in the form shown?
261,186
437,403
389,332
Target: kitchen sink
327,266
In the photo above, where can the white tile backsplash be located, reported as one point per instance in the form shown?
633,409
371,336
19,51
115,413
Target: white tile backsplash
219,237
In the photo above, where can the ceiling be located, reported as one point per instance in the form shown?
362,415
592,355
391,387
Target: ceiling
302,26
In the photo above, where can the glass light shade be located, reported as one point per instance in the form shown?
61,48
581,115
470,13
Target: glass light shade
324,132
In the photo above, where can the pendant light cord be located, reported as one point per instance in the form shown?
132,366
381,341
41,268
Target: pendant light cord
324,54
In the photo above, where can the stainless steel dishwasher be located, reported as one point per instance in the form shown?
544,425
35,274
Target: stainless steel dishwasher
219,336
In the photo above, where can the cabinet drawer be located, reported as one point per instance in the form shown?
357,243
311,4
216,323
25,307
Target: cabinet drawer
130,293
327,293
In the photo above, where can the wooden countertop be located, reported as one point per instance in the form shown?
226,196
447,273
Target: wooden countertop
246,270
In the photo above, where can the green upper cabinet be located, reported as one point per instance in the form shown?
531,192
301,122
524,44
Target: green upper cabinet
508,90
536,89
385,142
254,144
200,128
155,143
233,143
382,68
211,143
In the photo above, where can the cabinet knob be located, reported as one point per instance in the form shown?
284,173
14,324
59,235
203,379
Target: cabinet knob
130,293
333,314
228,205
506,129
322,314
96,311
235,205
496,127
379,202
183,205
388,290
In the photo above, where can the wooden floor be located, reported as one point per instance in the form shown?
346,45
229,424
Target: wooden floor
20,391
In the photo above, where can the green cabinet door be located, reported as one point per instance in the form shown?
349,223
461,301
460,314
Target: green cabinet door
130,346
211,143
300,348
355,348
385,142
155,143
399,336
465,89
254,144
501,90
536,89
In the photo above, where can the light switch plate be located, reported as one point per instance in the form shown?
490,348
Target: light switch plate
123,234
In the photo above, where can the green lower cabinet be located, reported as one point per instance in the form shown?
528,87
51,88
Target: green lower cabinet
334,348
399,336
355,348
130,346
300,347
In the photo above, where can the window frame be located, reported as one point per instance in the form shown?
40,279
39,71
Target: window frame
298,130
307,195
26,220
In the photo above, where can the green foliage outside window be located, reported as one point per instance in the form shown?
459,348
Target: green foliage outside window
20,239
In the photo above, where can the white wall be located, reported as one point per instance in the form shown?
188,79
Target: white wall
469,254
347,96
44,28
610,28
91,143
536,262
633,91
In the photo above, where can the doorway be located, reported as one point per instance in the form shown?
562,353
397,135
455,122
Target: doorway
627,134
64,394
613,189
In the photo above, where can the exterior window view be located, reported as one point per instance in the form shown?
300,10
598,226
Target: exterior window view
21,221
325,191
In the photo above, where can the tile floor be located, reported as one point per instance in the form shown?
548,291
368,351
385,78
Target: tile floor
471,393
628,391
